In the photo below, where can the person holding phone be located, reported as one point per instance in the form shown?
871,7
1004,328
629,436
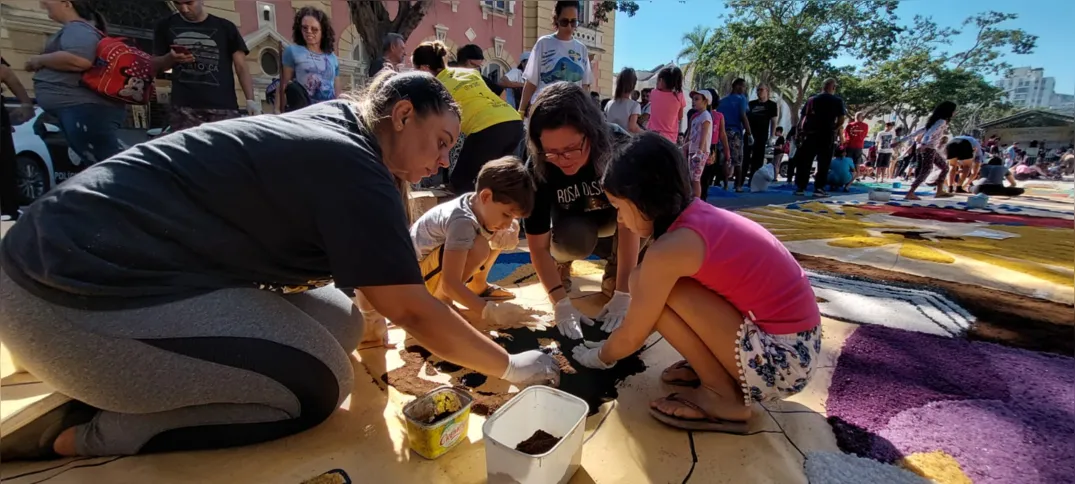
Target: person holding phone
204,53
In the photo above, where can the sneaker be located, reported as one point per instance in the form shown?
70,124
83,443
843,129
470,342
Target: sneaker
565,275
34,439
494,292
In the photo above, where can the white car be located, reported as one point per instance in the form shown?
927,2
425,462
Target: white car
42,156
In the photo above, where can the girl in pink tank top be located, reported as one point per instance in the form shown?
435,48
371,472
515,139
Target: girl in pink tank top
722,290
666,104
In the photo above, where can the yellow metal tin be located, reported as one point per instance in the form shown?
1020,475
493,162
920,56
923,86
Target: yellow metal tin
432,439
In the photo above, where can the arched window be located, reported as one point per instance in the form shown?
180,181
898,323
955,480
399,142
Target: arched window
270,62
494,69
358,54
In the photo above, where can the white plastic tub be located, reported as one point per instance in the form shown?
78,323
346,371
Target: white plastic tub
880,195
536,408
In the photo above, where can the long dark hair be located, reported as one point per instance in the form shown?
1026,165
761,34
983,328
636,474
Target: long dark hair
566,104
945,110
672,78
625,83
328,36
88,12
650,172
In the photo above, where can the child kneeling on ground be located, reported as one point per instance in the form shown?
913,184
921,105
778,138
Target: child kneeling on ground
722,290
458,241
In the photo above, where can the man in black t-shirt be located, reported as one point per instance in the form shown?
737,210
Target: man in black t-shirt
762,113
392,53
204,52
820,121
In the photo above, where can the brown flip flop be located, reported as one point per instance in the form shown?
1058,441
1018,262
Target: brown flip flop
707,424
677,382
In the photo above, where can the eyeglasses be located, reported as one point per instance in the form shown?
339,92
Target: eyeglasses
566,155
568,22
314,30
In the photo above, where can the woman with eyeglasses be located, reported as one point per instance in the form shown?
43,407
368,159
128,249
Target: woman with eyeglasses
558,57
310,64
570,144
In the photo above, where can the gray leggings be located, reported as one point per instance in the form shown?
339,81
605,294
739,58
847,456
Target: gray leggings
232,367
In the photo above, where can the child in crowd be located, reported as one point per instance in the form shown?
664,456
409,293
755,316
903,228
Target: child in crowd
458,241
778,146
994,174
841,171
701,137
721,289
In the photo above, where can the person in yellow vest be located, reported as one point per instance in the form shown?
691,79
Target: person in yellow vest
493,129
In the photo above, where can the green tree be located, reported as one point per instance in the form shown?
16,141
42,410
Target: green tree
787,44
695,44
605,7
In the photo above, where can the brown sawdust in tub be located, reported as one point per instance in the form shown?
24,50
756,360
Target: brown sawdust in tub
594,386
539,443
1001,317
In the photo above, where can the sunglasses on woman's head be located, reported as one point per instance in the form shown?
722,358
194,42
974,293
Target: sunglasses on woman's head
568,22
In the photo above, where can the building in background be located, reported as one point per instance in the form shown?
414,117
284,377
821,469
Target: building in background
537,16
504,29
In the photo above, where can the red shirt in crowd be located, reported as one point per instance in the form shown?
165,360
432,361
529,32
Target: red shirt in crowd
855,134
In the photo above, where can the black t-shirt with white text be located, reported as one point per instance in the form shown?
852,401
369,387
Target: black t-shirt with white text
821,112
576,194
208,82
760,114
282,203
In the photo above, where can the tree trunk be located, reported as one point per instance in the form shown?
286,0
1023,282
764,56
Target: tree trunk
372,21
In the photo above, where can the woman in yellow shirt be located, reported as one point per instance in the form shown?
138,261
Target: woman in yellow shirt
492,127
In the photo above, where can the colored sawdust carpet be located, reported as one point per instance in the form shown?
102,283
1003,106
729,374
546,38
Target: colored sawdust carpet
1004,415
864,302
837,468
515,268
1041,247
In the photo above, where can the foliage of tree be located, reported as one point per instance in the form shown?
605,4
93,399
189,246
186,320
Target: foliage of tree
695,44
787,44
605,7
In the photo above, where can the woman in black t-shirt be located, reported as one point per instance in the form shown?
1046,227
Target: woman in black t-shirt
181,291
570,144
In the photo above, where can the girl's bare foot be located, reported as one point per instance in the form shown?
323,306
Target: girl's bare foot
725,407
911,196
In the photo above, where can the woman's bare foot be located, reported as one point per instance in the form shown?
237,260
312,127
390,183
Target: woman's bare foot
680,373
725,407
65,443
911,196
941,194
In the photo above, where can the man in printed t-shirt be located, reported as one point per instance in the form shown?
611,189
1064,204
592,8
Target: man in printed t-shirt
204,52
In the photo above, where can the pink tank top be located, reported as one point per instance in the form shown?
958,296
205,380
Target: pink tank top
665,113
718,125
751,269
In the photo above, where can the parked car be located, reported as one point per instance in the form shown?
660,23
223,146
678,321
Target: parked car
42,156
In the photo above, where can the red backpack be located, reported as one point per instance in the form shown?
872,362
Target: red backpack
120,72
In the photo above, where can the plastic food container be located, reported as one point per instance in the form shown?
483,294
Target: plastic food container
536,408
432,440
880,195
978,201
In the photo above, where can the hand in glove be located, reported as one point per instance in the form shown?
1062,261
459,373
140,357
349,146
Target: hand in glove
506,239
569,320
614,312
532,368
749,140
588,354
253,107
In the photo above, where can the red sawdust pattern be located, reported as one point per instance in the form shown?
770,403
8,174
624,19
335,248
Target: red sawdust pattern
963,216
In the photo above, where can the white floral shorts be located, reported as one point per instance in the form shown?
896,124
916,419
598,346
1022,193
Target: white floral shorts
775,366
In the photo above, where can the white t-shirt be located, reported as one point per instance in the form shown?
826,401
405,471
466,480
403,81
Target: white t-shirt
619,111
554,60
884,141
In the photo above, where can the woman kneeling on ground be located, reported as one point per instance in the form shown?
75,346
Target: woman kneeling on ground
570,144
722,290
182,292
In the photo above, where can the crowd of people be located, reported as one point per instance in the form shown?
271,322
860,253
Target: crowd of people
204,290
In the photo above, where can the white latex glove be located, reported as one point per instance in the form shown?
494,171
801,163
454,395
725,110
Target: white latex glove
569,320
749,140
532,368
253,107
506,239
614,311
587,354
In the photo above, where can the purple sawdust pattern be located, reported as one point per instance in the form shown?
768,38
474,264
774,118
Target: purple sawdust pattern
1006,415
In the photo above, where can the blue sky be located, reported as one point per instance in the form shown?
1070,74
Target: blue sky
639,45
